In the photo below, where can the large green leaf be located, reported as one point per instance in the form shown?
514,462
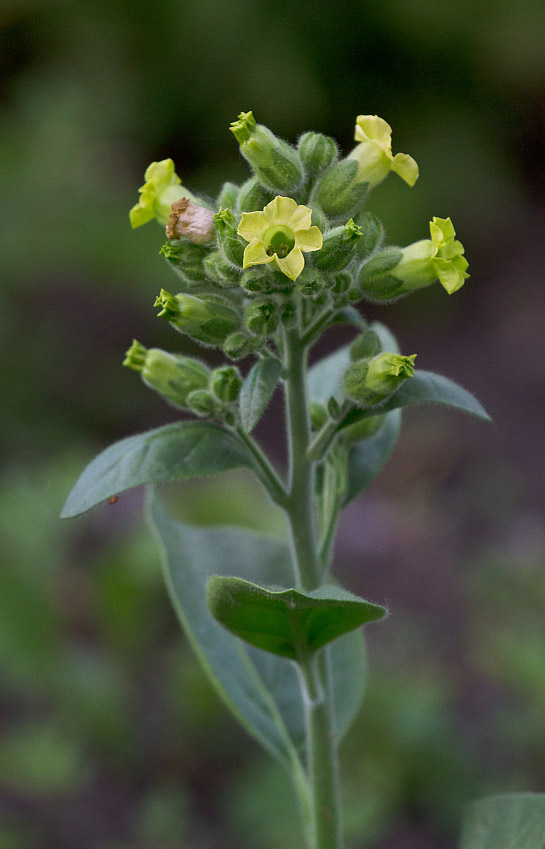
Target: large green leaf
257,390
508,821
290,623
180,450
367,457
424,388
261,689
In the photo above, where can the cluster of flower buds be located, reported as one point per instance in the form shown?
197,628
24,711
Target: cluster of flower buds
290,244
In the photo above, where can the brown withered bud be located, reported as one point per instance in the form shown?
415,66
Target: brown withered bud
189,221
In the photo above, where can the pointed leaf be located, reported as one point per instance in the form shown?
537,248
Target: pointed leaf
257,390
367,457
424,388
180,450
508,821
289,623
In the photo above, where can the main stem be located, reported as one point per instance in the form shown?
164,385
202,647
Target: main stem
315,673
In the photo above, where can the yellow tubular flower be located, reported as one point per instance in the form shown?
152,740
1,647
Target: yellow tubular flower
374,153
279,235
161,189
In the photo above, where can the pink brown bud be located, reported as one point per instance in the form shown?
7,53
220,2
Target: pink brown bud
189,221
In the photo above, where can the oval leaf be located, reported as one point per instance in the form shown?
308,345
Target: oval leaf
180,450
257,390
424,388
289,623
507,821
367,457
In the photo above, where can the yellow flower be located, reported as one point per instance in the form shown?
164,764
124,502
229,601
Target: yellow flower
374,153
279,235
161,189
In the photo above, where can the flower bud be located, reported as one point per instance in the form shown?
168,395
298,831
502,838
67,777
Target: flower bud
318,415
364,429
317,152
288,315
161,189
171,375
365,346
239,345
256,282
261,317
339,192
187,260
207,319
252,196
372,234
310,283
230,244
225,383
274,162
372,381
338,248
202,403
341,283
221,272
189,221
377,278
228,196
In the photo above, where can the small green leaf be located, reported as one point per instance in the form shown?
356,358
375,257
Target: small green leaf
507,821
289,623
424,388
367,458
180,450
257,390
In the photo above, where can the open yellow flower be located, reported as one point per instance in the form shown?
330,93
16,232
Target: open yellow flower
374,153
161,189
279,234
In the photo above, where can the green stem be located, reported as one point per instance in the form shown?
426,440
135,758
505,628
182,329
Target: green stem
316,678
319,446
267,473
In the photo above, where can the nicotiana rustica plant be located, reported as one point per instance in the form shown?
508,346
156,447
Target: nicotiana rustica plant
260,274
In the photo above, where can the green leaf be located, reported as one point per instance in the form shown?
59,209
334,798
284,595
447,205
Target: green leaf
424,388
289,623
180,450
257,390
367,457
508,821
262,690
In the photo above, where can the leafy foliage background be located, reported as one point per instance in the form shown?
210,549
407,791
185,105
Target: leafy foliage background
109,736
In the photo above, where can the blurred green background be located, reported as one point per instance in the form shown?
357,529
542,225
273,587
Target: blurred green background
110,737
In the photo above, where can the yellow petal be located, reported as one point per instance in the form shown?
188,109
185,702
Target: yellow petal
406,167
309,240
279,210
371,127
291,265
300,218
255,254
252,225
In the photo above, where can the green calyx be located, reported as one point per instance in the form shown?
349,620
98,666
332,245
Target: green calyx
225,221
135,357
372,380
243,127
207,319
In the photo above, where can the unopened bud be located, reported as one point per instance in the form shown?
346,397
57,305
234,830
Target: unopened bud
221,272
202,403
372,381
338,248
187,260
225,383
238,345
228,196
339,193
317,152
206,319
252,196
318,415
261,317
377,278
171,375
255,281
372,234
365,346
275,162
231,246
189,221
364,429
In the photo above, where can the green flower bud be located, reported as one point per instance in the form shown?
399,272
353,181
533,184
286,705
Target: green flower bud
171,375
364,429
318,415
377,278
372,234
256,282
341,283
238,345
310,284
339,192
187,260
261,317
338,248
225,383
228,196
207,319
190,221
365,346
372,381
252,196
274,162
202,403
230,244
317,152
221,272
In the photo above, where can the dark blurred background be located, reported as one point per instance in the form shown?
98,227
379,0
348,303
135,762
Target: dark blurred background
110,737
